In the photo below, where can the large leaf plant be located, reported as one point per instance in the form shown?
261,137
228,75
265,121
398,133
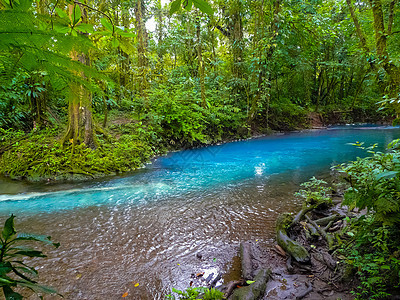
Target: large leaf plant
14,272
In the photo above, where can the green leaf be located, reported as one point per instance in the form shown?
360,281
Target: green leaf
23,264
106,23
8,229
85,28
10,294
30,253
204,7
114,42
38,288
7,281
386,175
127,34
36,237
188,4
28,270
250,281
23,5
103,33
61,13
175,6
61,29
5,268
76,15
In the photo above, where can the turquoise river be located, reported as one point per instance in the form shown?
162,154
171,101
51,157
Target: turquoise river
147,227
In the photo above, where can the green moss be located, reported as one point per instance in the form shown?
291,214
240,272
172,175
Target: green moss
41,157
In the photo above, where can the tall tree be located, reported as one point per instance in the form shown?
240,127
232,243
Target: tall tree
381,35
141,49
200,60
80,120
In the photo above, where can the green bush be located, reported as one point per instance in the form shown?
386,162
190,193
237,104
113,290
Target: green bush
373,249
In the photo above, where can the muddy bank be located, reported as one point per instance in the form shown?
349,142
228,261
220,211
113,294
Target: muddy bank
303,264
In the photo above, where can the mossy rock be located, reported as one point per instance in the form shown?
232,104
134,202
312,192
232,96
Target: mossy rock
255,290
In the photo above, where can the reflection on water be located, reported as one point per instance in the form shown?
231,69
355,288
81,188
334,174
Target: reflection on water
148,227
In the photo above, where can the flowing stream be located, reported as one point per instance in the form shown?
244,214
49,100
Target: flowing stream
147,227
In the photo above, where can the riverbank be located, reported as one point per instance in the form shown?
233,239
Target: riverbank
121,147
125,145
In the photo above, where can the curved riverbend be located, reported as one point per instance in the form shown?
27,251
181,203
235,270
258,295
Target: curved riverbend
147,227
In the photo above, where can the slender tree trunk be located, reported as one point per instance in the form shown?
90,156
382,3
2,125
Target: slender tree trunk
264,61
211,34
201,63
237,40
141,48
160,37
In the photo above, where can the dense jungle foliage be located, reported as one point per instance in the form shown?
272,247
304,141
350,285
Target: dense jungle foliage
89,88
370,244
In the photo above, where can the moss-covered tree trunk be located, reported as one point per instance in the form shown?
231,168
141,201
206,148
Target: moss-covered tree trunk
80,127
381,35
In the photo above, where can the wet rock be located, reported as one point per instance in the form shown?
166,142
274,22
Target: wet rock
255,290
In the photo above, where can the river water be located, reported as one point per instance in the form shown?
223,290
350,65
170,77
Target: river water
140,233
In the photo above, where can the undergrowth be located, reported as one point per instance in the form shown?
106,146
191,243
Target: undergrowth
371,244
40,156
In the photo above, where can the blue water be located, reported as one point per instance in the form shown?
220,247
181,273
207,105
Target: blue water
148,226
186,171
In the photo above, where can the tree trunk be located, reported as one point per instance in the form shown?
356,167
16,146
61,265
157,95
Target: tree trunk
160,36
141,48
237,39
80,119
201,63
381,50
264,60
